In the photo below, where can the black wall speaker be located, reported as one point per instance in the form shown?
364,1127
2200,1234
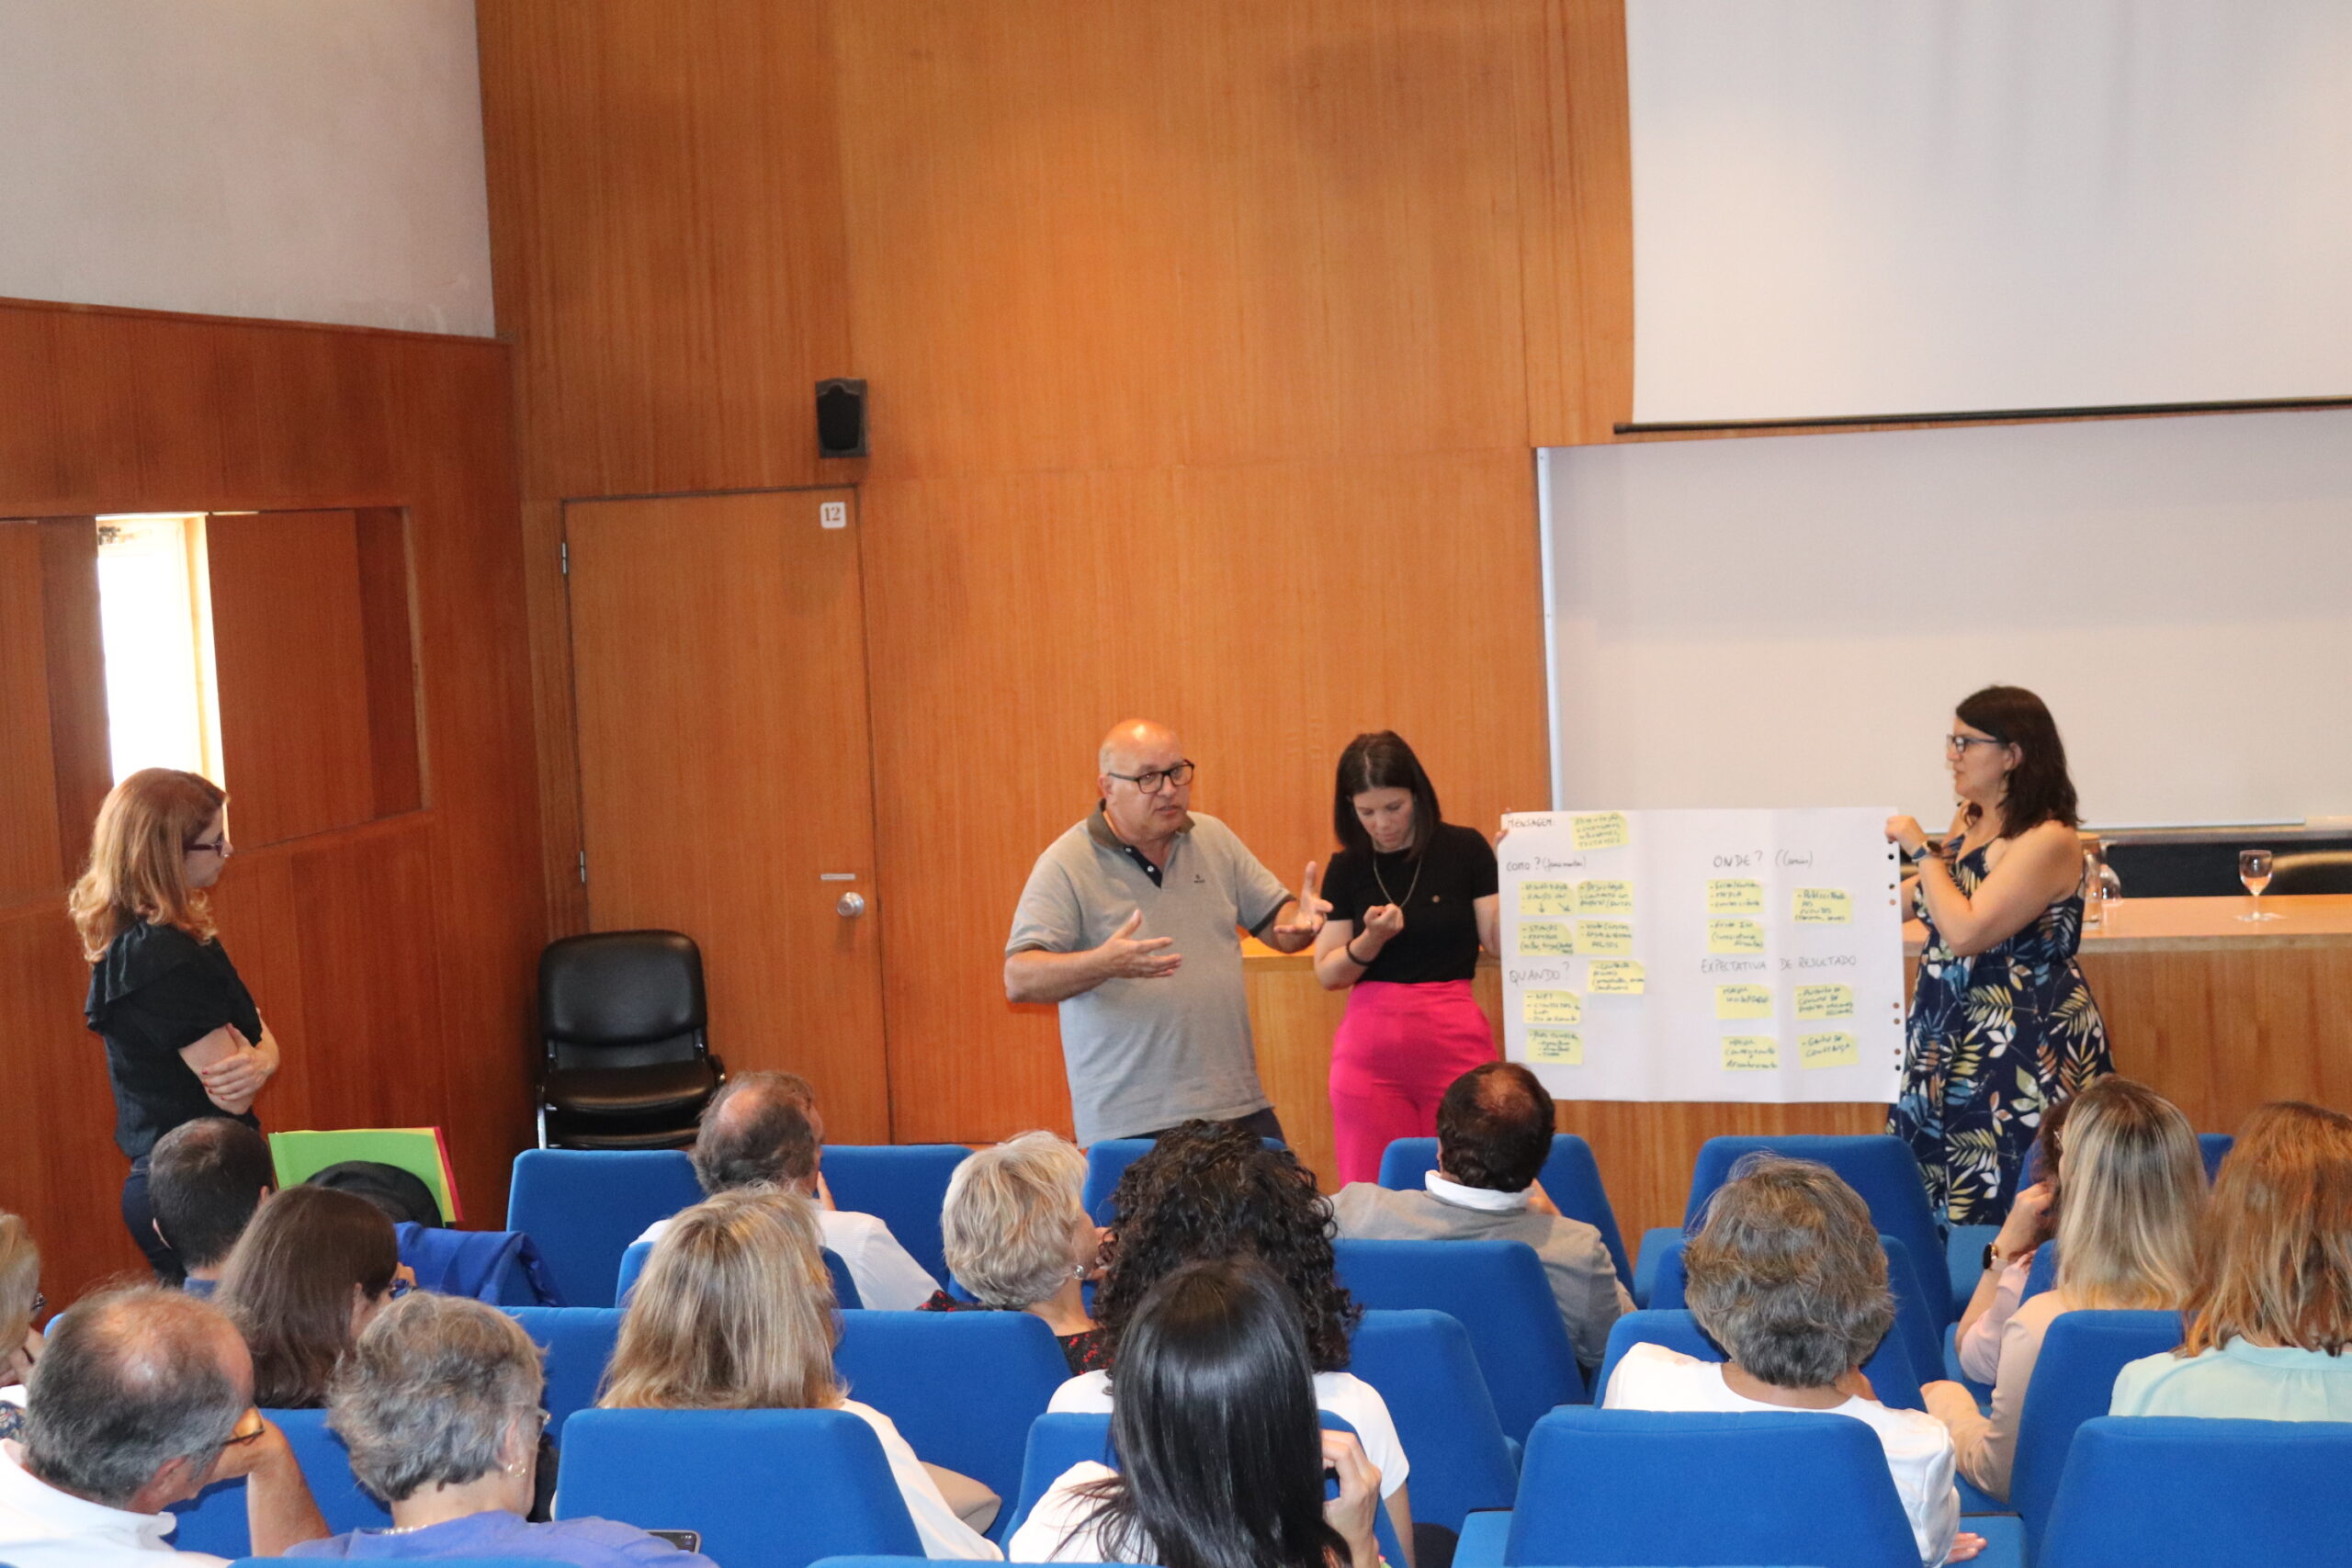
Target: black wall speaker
841,419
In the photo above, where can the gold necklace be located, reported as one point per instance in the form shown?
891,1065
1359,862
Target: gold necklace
1420,863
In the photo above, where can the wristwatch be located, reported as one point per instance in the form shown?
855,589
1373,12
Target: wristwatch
1993,1258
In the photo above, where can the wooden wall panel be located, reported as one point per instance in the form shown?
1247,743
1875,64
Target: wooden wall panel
666,226
397,957
1030,613
1207,345
1099,237
289,640
30,851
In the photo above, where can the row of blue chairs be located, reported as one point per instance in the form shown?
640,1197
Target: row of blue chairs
1599,1486
1636,1487
966,1390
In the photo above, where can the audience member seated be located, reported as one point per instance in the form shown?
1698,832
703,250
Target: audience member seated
20,1302
439,1404
303,1282
205,1180
1788,1277
1221,1454
735,1312
2270,1312
1494,1133
143,1397
1019,1240
2032,1220
1210,1190
763,1130
2134,1182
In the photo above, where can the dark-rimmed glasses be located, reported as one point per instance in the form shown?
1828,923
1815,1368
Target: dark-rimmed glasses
1958,744
1175,777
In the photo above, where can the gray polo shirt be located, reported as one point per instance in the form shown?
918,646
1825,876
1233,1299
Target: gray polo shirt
1145,1054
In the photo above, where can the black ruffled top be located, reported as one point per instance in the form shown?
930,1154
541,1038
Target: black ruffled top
156,991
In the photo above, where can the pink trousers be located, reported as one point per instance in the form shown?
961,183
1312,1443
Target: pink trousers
1397,1049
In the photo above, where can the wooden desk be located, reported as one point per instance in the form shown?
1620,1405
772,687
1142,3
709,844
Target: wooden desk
2217,1015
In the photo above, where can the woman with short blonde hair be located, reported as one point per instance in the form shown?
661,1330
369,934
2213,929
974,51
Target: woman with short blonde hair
183,1037
2127,1238
2270,1312
1019,1238
735,1312
19,1304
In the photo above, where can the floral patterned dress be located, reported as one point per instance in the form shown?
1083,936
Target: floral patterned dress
1993,1039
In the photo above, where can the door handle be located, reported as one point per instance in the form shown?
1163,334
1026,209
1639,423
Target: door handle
849,905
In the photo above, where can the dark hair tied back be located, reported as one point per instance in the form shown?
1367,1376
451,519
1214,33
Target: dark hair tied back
2040,790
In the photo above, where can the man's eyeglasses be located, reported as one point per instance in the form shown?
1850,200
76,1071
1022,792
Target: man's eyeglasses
1958,744
1153,782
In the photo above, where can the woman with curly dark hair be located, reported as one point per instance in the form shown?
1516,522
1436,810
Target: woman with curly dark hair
1211,1191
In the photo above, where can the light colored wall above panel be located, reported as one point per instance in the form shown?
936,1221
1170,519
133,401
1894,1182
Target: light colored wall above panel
288,158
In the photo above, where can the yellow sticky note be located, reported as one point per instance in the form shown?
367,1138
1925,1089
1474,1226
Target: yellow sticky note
1562,1047
1546,898
1600,896
1604,936
1614,978
1546,939
1551,1007
1735,935
1600,830
1825,1001
1742,1001
1838,1050
1822,906
1746,1053
1734,896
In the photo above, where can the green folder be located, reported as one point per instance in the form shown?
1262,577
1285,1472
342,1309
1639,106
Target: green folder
417,1150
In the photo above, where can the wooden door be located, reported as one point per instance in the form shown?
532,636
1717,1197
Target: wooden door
726,770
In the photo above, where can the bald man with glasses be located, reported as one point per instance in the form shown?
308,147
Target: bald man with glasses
1131,923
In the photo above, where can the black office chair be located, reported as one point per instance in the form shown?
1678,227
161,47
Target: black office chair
626,1063
2314,871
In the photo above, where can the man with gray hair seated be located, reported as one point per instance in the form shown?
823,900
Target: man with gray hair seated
439,1404
763,1130
143,1397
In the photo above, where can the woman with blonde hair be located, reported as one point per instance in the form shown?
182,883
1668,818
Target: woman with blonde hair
735,1312
183,1037
2127,1238
1019,1239
2270,1313
20,1302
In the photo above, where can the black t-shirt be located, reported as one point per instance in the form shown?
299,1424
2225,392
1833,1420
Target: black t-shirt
157,992
1440,941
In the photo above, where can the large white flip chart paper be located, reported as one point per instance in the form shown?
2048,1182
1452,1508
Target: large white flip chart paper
1698,955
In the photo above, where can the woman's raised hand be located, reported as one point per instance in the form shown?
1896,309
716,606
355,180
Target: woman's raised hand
1906,831
1383,921
1350,1512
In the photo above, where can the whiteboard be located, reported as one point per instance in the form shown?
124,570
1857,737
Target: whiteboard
1704,955
1790,619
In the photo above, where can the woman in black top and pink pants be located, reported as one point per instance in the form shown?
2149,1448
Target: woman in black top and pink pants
1413,898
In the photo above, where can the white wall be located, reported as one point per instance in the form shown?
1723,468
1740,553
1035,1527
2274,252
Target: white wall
307,160
1788,621
1884,207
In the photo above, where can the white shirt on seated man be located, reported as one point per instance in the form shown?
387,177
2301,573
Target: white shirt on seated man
763,1128
143,1397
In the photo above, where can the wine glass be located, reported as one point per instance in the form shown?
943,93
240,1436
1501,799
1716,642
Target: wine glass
2253,870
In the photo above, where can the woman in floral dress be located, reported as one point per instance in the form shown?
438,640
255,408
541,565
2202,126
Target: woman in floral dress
2002,1023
